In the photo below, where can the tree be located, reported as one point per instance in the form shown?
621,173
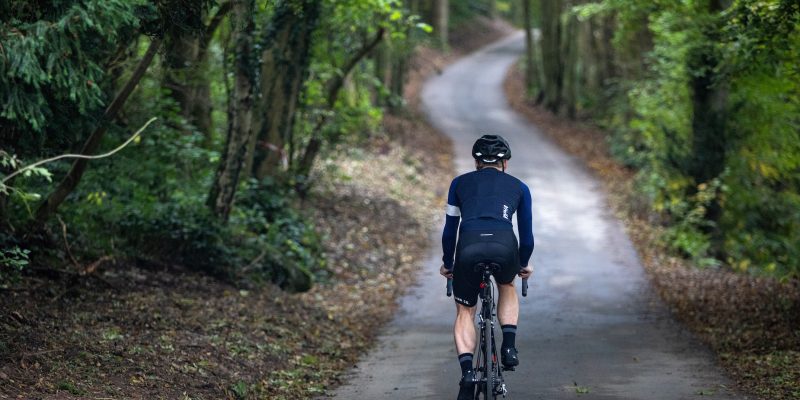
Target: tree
333,87
531,80
284,66
400,56
71,180
49,79
552,56
240,125
185,62
441,19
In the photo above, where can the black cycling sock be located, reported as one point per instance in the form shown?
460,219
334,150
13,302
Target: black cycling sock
465,359
509,335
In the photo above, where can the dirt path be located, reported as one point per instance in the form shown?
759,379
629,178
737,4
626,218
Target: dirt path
591,324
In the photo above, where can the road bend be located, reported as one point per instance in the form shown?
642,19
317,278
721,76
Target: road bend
591,326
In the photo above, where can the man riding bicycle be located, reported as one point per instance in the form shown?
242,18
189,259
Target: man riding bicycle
483,201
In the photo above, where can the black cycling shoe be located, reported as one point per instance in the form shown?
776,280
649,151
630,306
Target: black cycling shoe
509,357
467,390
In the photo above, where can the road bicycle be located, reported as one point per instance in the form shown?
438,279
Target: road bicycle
488,381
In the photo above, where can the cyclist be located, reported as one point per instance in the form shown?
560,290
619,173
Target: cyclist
483,201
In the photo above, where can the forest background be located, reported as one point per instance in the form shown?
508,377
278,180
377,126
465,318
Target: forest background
699,99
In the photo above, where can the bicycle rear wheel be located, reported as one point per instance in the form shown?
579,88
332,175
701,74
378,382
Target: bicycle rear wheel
491,361
488,360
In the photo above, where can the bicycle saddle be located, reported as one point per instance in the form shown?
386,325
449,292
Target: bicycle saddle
487,266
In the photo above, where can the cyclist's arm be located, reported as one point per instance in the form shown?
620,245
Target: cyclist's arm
450,231
525,226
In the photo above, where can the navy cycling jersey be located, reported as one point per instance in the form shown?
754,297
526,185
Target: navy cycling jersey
486,200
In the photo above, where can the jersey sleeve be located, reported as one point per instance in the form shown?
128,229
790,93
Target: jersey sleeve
525,226
450,232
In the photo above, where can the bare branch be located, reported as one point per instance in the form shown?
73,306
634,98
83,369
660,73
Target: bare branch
82,156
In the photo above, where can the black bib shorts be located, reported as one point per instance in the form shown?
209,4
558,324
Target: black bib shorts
483,246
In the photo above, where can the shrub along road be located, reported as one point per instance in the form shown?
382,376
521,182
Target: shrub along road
591,323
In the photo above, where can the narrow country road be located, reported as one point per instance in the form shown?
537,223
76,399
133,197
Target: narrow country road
590,323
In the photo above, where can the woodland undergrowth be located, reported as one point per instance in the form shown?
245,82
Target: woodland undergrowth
751,322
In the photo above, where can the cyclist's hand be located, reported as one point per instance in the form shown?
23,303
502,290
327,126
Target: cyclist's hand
526,272
447,273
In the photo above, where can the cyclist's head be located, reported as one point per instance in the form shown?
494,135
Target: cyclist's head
491,151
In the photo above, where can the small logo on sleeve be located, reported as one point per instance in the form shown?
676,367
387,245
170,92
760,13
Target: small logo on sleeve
505,211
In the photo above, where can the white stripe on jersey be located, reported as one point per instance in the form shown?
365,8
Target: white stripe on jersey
453,211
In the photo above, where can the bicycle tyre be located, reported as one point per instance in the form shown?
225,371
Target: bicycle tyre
490,361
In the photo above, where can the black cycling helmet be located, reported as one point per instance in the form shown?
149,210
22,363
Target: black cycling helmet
490,148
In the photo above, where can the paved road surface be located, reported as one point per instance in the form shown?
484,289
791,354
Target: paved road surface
590,318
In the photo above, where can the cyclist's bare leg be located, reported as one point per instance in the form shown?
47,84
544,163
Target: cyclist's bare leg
464,330
507,304
508,314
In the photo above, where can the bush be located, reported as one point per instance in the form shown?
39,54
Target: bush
12,261
156,210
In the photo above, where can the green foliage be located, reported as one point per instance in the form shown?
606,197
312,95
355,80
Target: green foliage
464,11
343,34
62,61
711,120
284,247
762,198
55,62
12,261
240,389
71,388
14,197
689,232
151,213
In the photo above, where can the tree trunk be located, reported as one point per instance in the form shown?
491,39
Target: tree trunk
492,8
441,17
180,58
398,71
240,129
398,77
284,66
571,67
382,57
530,62
180,64
602,47
199,107
68,184
5,225
185,68
708,109
332,87
552,64
709,116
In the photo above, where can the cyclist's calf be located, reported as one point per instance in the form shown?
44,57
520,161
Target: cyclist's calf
464,329
507,304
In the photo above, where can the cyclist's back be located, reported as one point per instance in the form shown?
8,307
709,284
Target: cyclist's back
488,198
484,201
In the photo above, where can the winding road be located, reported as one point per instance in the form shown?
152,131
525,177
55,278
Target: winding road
591,326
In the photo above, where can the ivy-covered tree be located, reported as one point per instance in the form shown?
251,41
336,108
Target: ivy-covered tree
240,124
